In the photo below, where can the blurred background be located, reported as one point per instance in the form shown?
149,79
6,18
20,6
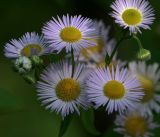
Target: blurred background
20,113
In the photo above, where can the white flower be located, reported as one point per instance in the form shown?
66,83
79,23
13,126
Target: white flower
28,45
149,77
60,91
115,89
133,14
69,32
134,124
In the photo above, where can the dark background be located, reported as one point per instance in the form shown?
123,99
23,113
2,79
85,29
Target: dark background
20,113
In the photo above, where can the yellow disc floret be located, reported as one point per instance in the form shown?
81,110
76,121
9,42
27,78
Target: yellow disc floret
132,17
148,88
136,126
68,89
31,49
114,90
70,34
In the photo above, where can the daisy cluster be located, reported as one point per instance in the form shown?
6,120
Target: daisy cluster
84,79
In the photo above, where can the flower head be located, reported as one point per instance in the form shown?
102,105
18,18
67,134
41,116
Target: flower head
134,124
69,32
133,14
30,44
149,77
115,89
61,92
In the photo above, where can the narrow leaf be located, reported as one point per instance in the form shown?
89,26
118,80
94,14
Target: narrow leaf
88,122
64,125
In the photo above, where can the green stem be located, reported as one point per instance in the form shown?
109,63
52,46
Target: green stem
138,41
114,51
109,59
73,63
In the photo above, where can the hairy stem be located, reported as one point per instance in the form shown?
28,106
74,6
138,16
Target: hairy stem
138,41
109,59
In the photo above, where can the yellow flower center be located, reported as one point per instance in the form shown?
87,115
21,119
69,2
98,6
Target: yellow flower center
70,34
132,16
114,90
148,88
31,49
68,89
136,125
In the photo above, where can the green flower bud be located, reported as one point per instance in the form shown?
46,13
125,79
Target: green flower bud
144,54
36,60
23,65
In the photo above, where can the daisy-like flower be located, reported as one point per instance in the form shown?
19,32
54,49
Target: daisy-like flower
149,77
133,14
69,32
134,124
60,92
30,44
115,89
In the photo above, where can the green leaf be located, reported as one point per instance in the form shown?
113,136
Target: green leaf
64,125
88,122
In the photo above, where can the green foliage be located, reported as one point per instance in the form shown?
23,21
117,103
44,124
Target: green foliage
87,118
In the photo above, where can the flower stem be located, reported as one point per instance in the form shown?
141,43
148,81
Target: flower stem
109,59
138,41
73,63
114,51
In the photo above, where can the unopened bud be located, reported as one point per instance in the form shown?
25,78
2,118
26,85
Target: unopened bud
144,54
23,65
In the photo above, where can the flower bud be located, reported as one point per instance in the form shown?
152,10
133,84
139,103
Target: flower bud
22,65
36,60
144,54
